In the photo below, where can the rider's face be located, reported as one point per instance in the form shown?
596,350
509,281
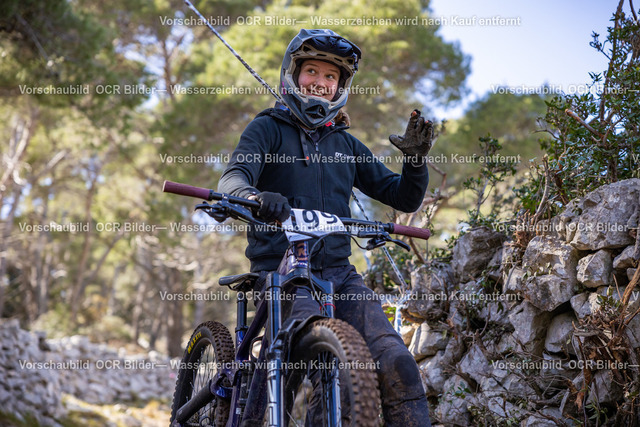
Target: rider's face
319,78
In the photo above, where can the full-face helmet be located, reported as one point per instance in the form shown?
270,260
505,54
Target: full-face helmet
322,45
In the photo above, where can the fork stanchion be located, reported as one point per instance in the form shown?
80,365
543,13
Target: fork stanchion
275,403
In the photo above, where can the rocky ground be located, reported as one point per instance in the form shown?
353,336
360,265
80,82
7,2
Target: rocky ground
72,381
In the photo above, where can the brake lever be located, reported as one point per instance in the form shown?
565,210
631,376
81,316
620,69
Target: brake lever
225,209
375,242
381,238
400,243
217,212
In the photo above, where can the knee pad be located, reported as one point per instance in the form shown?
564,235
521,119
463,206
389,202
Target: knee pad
400,379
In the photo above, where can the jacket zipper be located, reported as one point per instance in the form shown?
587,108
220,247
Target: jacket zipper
321,187
323,251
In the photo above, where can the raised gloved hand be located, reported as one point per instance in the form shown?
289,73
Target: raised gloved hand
272,206
417,138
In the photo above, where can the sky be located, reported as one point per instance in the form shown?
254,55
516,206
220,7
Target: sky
547,42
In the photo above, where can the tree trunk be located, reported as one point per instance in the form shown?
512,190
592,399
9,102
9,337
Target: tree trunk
110,293
4,244
175,327
76,292
18,144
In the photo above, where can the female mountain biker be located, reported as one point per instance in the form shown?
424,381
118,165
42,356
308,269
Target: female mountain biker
301,156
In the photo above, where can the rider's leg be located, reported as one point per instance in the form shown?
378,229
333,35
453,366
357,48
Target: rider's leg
404,402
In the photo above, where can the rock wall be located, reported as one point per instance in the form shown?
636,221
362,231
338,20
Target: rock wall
505,330
35,372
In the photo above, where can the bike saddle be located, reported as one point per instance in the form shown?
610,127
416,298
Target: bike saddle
241,279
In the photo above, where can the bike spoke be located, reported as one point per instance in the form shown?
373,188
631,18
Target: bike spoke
205,371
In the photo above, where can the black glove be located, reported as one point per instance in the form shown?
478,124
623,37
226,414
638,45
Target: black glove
273,206
417,138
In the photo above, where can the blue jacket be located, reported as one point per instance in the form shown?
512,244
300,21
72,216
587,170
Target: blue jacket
313,170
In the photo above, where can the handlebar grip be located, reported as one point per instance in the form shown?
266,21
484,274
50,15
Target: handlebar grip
187,190
205,193
420,233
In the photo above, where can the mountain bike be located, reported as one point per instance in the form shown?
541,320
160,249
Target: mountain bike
318,370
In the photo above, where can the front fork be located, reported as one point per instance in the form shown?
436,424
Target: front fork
275,388
295,269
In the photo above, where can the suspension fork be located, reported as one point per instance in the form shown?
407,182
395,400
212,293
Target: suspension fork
331,388
275,386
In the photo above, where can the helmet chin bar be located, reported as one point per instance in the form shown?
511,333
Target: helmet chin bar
316,112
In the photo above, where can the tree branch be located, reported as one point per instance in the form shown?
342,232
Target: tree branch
583,123
633,11
614,48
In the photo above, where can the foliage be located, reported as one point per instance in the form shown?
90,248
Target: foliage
495,168
94,158
510,118
594,135
384,87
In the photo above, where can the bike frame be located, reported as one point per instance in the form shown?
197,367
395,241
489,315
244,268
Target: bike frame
293,271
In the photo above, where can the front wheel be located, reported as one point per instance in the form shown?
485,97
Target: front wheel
209,348
331,374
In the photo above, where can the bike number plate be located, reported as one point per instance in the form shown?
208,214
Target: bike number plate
316,223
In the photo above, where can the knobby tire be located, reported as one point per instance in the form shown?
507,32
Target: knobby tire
209,348
332,342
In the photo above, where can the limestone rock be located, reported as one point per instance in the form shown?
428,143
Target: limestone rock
606,213
507,344
545,418
453,408
500,408
514,281
406,332
474,250
475,364
604,388
551,269
565,223
510,258
433,374
515,386
454,351
548,292
530,327
585,304
427,341
625,259
456,317
559,335
595,270
568,405
430,289
33,380
494,268
633,332
554,372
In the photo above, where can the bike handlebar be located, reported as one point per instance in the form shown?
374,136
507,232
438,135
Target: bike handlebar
205,193
406,230
209,195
